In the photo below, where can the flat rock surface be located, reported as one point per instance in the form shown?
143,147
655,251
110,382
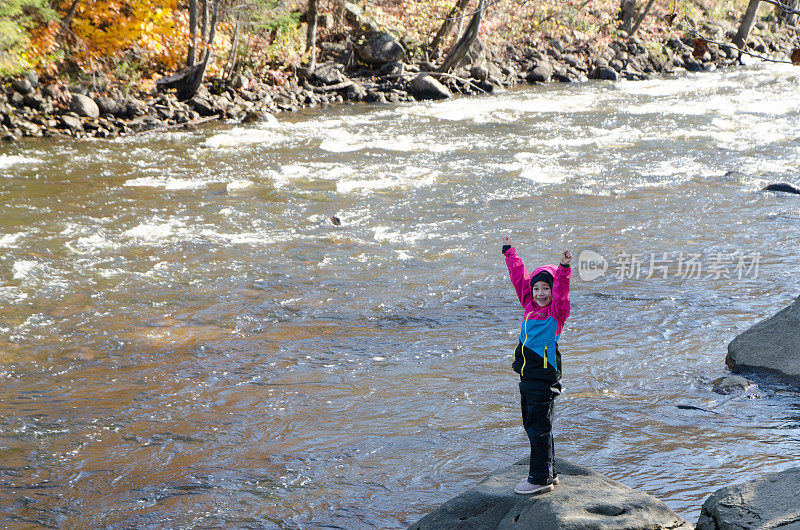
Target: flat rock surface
771,501
772,344
584,499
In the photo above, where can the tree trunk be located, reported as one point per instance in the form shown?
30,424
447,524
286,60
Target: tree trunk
642,17
204,21
747,23
627,10
311,34
190,59
457,13
212,31
66,24
234,48
461,47
185,82
791,18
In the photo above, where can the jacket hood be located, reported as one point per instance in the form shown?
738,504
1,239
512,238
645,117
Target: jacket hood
550,269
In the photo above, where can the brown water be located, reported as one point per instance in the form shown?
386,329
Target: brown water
186,340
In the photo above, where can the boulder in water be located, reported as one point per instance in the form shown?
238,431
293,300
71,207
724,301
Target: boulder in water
772,345
770,501
583,499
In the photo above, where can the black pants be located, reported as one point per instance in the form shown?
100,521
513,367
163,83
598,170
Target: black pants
537,418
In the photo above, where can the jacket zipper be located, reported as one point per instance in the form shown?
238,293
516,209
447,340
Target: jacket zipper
545,356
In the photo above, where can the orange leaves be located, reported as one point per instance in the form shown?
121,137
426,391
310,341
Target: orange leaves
795,57
108,29
700,47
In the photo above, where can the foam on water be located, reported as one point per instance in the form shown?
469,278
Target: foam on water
238,185
6,161
92,243
10,294
246,136
411,176
10,240
23,269
150,231
170,183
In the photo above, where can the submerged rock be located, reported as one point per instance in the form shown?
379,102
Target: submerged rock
732,383
583,499
770,501
786,187
772,344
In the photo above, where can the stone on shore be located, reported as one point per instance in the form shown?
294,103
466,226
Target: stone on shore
84,106
381,48
607,73
425,86
328,74
772,345
542,73
584,499
770,501
108,105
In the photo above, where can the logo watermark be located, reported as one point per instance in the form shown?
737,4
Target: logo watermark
684,265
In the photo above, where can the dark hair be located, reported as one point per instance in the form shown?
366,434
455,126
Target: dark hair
543,276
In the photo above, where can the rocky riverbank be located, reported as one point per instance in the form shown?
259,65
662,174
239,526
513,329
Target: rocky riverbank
583,499
376,70
586,499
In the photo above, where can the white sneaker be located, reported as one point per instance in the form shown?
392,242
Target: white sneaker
526,488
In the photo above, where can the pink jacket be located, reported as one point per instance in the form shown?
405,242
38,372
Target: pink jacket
541,326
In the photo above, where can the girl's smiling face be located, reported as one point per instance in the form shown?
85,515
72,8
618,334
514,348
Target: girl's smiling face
542,293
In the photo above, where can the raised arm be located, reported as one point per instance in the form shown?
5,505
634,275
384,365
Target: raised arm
561,305
518,273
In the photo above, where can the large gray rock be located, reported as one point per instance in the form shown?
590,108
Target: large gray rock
84,106
111,106
772,345
770,501
583,500
328,74
425,86
542,73
380,48
23,86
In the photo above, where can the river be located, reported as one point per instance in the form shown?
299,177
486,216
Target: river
188,340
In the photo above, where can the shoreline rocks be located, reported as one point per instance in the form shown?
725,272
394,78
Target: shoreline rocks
376,71
770,501
583,499
772,345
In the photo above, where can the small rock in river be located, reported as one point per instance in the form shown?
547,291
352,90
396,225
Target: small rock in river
336,221
732,383
786,187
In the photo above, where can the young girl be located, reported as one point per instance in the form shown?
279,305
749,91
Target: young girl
545,300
